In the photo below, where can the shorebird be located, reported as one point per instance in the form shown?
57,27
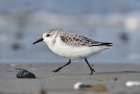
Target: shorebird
72,46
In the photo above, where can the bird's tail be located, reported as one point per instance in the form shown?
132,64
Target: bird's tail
102,46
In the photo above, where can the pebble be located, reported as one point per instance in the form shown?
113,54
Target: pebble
95,88
108,79
132,83
25,74
98,88
80,85
18,69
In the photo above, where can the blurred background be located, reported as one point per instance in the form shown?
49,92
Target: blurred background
24,21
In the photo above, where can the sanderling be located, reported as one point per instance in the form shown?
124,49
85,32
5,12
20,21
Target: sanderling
72,46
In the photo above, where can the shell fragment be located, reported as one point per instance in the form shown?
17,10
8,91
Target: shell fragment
132,83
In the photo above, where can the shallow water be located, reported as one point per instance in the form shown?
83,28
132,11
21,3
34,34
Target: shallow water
23,22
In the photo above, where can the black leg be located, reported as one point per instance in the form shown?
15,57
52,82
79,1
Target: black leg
58,69
92,70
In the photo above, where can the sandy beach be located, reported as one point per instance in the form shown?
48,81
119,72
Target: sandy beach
67,77
22,22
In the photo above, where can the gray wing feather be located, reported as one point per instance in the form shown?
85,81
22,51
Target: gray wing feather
74,39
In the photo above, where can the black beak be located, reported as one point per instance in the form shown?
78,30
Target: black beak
40,40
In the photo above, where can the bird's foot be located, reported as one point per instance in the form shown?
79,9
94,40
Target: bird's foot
57,70
92,70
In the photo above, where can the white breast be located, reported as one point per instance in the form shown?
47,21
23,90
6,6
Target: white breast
73,52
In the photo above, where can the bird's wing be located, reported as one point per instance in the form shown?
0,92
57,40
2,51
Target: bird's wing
74,39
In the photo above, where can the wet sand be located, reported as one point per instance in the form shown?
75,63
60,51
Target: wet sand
67,77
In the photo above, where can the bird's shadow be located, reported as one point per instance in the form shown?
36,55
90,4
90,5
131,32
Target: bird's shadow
117,72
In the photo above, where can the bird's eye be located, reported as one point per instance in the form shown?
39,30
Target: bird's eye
48,35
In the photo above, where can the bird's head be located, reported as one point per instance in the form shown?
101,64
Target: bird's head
47,37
